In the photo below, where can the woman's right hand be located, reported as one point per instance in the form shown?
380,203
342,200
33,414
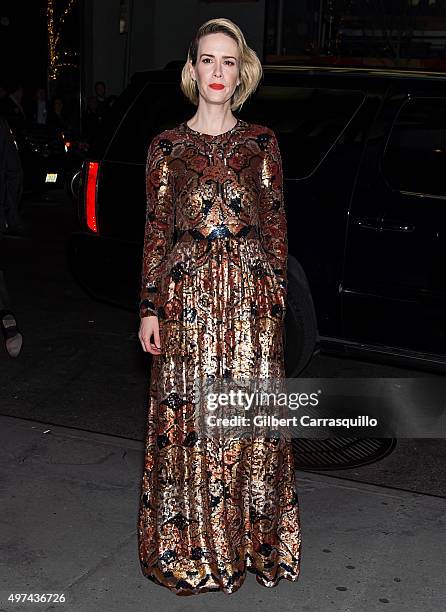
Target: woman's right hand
150,327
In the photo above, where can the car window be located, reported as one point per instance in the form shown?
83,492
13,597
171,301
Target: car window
105,130
306,120
159,106
414,158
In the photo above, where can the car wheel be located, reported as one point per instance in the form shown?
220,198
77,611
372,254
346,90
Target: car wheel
300,328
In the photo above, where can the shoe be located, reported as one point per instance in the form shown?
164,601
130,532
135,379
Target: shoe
11,334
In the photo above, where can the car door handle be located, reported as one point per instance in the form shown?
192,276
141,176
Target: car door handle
367,222
396,225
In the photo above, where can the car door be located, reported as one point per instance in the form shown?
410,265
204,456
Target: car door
321,121
394,288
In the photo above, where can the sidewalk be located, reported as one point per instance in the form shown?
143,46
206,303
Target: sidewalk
69,504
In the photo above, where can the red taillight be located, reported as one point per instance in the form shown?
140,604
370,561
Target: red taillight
90,196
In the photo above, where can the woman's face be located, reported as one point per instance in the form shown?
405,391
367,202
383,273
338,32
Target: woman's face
217,65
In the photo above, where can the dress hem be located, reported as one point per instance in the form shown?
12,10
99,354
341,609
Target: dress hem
219,589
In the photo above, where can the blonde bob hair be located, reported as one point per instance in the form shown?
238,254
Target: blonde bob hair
250,67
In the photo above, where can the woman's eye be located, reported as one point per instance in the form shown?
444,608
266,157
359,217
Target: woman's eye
208,59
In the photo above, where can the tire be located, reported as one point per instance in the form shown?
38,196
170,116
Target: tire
300,326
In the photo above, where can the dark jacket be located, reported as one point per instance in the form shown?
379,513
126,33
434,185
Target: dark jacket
11,177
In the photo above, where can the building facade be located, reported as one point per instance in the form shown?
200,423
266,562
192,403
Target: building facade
125,36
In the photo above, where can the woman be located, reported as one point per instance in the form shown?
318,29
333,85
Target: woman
214,304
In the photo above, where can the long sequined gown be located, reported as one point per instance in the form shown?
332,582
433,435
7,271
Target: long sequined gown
214,272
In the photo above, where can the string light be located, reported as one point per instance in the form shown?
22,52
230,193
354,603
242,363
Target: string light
55,53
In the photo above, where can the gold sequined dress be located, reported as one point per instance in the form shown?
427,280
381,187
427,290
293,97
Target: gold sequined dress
214,272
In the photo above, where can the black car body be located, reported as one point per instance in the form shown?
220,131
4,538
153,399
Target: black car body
364,159
42,150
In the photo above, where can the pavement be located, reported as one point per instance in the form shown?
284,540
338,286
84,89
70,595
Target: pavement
69,500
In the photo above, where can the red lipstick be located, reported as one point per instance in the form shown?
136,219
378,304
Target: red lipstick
217,86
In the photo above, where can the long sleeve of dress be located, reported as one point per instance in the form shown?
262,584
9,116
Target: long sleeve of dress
272,216
159,227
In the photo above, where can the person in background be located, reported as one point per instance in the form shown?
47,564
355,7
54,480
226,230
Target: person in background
11,179
14,112
103,103
56,116
11,183
38,107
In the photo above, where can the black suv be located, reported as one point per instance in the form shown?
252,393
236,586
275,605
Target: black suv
364,158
